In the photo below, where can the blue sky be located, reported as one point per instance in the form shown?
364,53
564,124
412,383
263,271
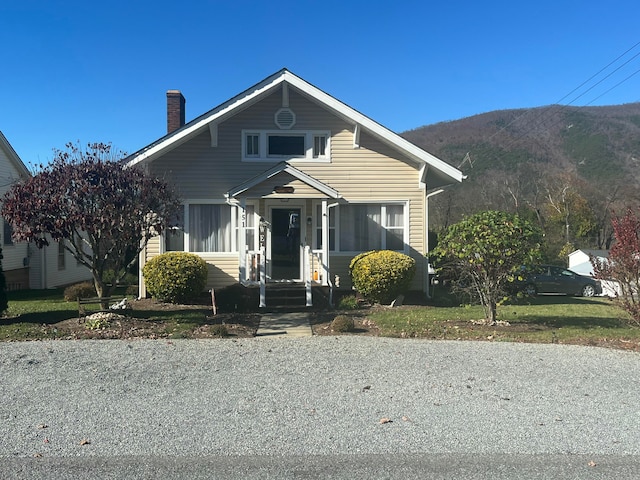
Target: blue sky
99,71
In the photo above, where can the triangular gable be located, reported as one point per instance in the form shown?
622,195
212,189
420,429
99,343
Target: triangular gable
279,169
13,157
434,169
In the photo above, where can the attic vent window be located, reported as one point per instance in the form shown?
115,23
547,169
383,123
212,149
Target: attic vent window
285,118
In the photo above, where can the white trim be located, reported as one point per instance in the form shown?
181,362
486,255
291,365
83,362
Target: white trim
446,173
383,203
282,167
297,204
356,136
13,157
263,136
234,215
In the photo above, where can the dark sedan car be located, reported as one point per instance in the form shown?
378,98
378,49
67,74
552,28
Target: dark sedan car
552,279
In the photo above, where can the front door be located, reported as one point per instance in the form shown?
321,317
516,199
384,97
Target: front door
285,244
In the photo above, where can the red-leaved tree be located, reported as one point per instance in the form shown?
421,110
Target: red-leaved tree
103,212
623,264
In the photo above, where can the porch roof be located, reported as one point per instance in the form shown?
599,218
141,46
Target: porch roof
283,167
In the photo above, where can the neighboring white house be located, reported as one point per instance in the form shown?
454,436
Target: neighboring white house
580,262
53,266
24,265
16,255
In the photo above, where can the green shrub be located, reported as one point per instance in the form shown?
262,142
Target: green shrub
348,302
175,277
342,324
97,323
79,290
380,275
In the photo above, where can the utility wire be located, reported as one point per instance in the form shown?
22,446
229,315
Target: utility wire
544,111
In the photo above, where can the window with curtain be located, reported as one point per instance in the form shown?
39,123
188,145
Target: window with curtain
366,227
332,228
210,228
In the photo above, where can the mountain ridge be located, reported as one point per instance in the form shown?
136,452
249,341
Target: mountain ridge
568,168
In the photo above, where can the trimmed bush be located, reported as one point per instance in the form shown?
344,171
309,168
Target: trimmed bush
175,277
381,275
79,290
342,324
348,302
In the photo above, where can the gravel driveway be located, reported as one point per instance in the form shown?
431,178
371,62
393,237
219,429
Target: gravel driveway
314,396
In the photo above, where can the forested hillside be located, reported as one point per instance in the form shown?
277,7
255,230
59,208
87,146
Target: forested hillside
567,168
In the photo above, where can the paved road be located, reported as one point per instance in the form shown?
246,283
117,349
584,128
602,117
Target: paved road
277,407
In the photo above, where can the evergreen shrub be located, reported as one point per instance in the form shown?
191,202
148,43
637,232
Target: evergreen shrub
79,290
381,275
175,277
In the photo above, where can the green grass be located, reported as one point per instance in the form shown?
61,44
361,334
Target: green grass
543,319
32,313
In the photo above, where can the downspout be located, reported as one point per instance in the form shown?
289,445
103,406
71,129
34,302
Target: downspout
427,247
325,245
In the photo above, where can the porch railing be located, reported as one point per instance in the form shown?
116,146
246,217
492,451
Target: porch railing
314,272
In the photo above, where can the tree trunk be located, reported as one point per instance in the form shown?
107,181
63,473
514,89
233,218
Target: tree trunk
103,290
492,313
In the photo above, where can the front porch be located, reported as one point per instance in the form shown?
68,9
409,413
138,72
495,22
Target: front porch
315,288
283,232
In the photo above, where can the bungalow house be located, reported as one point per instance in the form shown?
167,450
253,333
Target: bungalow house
24,265
284,183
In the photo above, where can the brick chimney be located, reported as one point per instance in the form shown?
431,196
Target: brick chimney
175,110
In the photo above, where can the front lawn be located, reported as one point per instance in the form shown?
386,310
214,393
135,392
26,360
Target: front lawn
44,314
542,319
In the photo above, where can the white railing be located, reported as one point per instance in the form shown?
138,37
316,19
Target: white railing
314,271
255,272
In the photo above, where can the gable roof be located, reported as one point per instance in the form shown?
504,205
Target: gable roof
13,157
434,171
279,168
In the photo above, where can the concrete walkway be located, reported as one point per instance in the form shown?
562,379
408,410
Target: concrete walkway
289,324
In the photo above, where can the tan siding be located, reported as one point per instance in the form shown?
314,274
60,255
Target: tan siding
373,172
223,271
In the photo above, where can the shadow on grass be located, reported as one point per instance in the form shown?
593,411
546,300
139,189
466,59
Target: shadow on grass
585,323
198,316
559,300
41,318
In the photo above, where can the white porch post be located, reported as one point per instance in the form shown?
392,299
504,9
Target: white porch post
263,264
325,243
242,241
306,272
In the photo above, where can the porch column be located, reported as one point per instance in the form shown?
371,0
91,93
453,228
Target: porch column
242,241
325,243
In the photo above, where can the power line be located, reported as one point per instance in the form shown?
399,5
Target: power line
544,111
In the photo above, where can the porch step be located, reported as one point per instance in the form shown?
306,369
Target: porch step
285,295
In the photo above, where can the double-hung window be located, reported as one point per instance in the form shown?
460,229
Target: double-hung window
209,228
7,233
266,145
366,227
